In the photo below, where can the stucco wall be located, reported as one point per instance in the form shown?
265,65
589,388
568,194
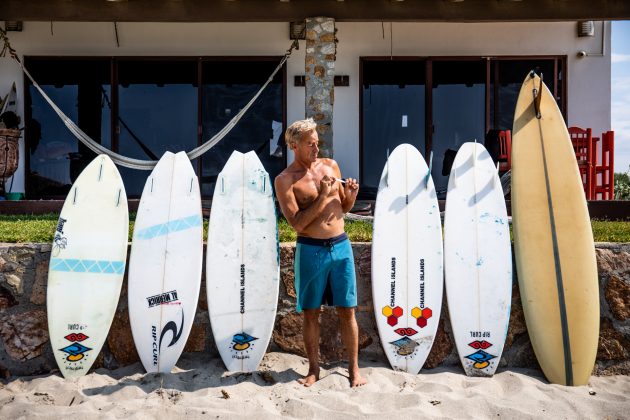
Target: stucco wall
588,78
25,347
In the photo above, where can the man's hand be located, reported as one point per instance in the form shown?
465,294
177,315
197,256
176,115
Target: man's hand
348,193
350,186
325,185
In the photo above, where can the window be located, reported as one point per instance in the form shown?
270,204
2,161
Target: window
157,111
392,97
468,97
142,107
507,76
227,86
79,87
458,109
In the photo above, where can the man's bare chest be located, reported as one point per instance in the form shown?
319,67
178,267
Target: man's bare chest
307,188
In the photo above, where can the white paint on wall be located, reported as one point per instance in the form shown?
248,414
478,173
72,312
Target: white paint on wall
588,78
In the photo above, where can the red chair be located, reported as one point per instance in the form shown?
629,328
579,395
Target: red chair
582,140
606,171
505,150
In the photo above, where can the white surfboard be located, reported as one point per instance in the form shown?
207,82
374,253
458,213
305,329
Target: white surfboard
477,260
242,265
87,265
165,263
407,276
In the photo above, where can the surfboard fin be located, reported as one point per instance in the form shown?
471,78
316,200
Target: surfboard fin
387,160
538,97
454,175
426,178
497,179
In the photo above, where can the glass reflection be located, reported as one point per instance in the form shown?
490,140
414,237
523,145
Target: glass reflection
507,77
227,87
458,111
79,88
157,112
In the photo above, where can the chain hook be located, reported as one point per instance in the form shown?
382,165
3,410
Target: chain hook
7,48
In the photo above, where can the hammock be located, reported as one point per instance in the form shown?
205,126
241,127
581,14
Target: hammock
150,164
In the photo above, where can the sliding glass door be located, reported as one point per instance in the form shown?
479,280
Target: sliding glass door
506,78
458,110
141,107
468,97
54,156
392,98
227,86
157,112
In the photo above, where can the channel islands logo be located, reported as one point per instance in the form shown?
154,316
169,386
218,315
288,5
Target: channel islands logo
422,316
392,314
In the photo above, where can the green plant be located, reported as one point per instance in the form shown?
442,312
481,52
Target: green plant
622,185
41,229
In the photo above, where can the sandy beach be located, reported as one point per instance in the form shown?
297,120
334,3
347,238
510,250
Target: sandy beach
201,388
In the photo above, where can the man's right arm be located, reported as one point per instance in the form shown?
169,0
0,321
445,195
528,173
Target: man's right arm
298,218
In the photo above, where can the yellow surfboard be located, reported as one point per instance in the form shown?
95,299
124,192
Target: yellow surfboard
555,252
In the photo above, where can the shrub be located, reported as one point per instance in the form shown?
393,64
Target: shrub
622,186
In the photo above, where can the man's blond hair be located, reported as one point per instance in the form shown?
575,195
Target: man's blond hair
296,130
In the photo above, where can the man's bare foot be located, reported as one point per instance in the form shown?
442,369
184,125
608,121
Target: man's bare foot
310,378
356,379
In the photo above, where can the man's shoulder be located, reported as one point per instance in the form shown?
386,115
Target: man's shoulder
327,162
283,175
286,177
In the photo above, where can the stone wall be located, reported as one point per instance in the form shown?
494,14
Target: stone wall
319,66
25,348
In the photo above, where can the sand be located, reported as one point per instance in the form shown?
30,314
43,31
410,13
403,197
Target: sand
201,388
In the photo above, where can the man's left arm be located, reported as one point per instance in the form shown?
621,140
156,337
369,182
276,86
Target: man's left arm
347,191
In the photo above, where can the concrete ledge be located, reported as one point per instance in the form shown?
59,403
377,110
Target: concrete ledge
25,348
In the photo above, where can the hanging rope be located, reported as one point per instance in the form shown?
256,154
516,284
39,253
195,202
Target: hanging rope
133,135
124,160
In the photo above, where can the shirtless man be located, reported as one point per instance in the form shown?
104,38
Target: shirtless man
314,198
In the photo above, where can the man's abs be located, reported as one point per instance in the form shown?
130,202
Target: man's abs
328,224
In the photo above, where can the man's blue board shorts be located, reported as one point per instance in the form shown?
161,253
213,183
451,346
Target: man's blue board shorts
324,273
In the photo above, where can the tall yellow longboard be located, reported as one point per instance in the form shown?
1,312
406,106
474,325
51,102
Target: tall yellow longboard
555,253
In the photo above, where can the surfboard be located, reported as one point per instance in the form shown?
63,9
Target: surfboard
242,264
87,265
554,248
165,263
9,102
477,260
407,276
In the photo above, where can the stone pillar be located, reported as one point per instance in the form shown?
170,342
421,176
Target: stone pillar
319,66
